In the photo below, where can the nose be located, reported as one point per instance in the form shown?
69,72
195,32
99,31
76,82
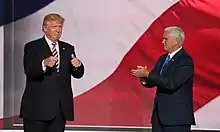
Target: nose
163,41
58,29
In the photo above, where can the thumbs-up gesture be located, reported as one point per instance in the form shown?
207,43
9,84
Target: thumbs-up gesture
75,61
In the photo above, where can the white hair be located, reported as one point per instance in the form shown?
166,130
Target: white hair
177,32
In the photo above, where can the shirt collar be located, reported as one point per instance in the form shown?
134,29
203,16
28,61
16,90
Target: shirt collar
48,40
173,53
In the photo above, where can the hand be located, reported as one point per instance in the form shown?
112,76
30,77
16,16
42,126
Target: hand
50,61
75,62
140,71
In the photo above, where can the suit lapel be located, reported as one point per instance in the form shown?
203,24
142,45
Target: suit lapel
172,61
47,51
62,51
46,48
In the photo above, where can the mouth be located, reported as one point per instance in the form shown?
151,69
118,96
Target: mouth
164,46
57,35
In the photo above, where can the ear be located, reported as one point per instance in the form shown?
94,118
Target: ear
44,28
177,40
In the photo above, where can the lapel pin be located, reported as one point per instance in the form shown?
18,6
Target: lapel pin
172,60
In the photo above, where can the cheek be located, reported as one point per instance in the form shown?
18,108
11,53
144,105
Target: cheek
53,32
167,45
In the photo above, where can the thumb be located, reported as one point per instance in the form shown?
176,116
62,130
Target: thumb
73,56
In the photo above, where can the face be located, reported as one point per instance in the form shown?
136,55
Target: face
53,29
169,42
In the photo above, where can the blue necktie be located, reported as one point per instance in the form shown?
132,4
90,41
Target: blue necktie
165,63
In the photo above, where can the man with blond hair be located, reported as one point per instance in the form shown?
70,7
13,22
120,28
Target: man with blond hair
49,63
173,76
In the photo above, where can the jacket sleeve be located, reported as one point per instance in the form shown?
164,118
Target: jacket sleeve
180,75
79,71
32,63
148,83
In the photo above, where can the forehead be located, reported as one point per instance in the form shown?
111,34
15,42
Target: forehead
166,35
54,22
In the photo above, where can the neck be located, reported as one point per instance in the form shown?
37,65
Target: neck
51,39
170,52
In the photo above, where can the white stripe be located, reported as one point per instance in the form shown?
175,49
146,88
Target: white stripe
105,32
121,127
1,71
208,115
102,31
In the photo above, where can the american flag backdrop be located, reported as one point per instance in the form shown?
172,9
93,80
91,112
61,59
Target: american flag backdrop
111,37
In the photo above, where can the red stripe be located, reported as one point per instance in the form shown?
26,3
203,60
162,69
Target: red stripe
1,123
120,100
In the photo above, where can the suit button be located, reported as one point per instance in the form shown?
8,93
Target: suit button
57,74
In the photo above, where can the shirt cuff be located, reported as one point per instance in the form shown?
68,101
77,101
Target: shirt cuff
143,81
43,67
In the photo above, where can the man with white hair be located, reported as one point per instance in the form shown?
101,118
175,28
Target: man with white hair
173,76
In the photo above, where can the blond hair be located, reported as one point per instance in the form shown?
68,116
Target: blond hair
53,17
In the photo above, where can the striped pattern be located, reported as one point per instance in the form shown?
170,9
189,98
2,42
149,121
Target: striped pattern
113,36
55,54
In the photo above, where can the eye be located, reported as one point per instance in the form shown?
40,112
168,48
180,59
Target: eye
164,39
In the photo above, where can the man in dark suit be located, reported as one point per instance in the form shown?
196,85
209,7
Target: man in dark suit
47,101
173,76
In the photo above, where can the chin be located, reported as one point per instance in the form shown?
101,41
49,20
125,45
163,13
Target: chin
56,38
166,50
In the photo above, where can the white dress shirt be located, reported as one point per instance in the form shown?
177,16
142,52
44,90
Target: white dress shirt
174,52
144,81
49,42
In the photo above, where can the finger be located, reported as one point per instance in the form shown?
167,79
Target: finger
50,65
75,63
52,62
134,74
46,62
132,70
51,58
140,67
54,59
74,59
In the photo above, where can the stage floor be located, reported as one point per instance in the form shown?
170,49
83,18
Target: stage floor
17,126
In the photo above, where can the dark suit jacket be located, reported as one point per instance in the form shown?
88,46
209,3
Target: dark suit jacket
174,95
46,92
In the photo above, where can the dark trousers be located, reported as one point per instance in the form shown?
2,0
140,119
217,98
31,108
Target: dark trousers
55,125
157,126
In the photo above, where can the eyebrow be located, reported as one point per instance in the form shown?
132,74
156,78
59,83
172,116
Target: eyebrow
165,38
